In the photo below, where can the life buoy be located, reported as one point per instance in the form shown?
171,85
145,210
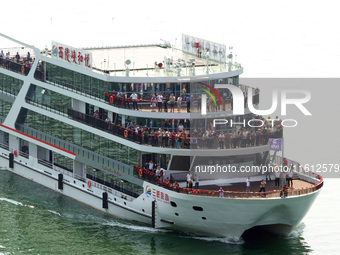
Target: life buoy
15,153
111,99
89,184
140,172
126,133
22,69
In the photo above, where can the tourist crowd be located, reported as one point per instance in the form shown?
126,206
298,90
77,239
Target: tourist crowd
182,137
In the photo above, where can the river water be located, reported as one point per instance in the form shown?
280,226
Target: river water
36,220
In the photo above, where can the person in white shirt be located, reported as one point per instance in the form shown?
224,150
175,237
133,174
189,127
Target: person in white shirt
248,185
150,166
179,103
134,98
189,179
160,102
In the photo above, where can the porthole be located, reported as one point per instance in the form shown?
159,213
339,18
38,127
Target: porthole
197,208
115,199
124,203
173,204
143,210
204,218
176,214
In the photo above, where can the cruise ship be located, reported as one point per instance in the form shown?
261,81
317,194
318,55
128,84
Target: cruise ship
150,133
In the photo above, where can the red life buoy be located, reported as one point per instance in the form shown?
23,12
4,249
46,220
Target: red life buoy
140,172
126,133
89,184
111,99
15,153
22,69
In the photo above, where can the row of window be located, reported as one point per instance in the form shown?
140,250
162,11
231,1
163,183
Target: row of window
10,85
98,88
5,107
82,138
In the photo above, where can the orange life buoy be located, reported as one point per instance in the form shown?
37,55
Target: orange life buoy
140,172
15,153
22,69
111,99
126,133
89,184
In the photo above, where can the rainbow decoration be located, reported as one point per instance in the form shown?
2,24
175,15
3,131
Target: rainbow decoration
211,95
148,191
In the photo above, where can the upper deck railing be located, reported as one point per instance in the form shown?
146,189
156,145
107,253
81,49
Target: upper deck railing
17,67
177,68
148,102
312,184
174,138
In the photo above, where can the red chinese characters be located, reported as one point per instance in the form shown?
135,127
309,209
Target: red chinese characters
74,56
87,60
61,52
80,58
67,54
160,196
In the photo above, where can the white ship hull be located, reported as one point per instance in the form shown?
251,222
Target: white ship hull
221,217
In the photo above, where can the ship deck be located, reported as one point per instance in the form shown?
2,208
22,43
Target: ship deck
240,186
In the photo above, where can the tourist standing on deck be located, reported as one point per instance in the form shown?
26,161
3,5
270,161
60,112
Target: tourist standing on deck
126,101
196,179
188,103
221,140
263,186
221,192
189,179
160,102
248,185
277,178
134,98
290,179
172,100
17,56
179,103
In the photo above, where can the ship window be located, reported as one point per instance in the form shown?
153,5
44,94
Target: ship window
176,214
173,204
204,218
197,208
180,163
